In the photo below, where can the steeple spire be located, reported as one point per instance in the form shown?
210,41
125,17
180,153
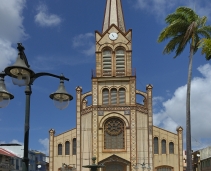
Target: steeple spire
113,15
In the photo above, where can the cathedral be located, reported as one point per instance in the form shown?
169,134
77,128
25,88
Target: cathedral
115,129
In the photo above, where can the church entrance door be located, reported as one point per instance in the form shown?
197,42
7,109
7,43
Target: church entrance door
114,166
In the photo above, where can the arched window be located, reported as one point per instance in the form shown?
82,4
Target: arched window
60,149
121,96
171,148
155,145
107,63
120,62
113,96
74,146
105,96
67,148
114,134
163,144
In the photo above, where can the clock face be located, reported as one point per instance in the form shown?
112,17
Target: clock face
113,36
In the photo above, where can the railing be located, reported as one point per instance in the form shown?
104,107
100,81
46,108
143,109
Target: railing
8,166
118,73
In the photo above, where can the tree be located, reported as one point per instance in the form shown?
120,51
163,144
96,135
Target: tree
185,26
206,48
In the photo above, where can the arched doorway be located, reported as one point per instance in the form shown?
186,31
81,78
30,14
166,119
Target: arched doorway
115,163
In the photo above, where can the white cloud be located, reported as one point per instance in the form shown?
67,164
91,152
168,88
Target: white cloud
16,142
2,142
157,99
43,18
7,54
173,113
45,143
157,7
11,30
85,42
11,20
161,8
201,8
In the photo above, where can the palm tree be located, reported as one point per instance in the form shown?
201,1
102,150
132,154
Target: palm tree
206,48
185,26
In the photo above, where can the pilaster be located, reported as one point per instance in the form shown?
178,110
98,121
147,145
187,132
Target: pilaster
78,128
133,91
95,118
133,139
51,149
180,147
150,124
133,133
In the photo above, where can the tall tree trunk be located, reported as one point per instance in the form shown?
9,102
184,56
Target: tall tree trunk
188,118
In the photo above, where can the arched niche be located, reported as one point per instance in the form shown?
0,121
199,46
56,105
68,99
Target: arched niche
113,115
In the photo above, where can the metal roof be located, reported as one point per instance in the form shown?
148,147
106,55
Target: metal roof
6,153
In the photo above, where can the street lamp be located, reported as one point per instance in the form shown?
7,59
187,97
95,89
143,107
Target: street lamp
143,165
5,96
22,75
69,167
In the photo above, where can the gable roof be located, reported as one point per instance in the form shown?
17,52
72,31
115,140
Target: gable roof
6,153
114,158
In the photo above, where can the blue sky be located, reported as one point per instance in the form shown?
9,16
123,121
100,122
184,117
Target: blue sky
58,36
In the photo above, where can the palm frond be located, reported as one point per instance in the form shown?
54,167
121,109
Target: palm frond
183,26
174,17
180,49
191,15
202,21
172,30
173,44
205,28
206,48
203,33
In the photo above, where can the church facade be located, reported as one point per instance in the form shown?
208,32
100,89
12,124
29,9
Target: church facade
115,129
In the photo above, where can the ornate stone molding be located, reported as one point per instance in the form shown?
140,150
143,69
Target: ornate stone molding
138,107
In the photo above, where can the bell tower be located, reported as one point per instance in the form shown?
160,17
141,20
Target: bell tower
114,95
113,45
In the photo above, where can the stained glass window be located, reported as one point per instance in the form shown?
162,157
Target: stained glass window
114,134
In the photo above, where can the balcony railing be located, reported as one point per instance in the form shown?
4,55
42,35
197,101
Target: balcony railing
118,73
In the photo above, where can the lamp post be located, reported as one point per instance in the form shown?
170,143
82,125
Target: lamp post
144,166
22,75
